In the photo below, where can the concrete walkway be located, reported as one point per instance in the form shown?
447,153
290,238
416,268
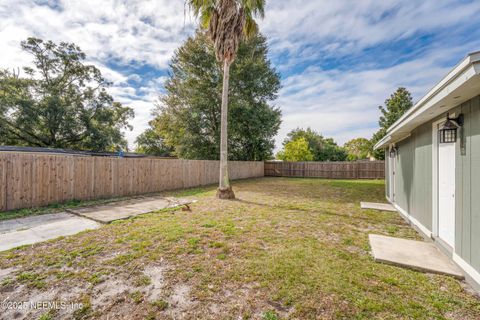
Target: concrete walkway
377,206
129,208
417,255
30,230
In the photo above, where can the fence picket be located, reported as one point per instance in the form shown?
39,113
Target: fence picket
329,170
31,179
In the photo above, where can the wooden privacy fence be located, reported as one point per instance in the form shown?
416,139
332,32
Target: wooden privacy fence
31,180
330,170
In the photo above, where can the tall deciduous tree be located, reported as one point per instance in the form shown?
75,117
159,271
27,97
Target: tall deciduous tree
395,106
323,149
296,150
61,102
150,142
227,22
357,149
187,117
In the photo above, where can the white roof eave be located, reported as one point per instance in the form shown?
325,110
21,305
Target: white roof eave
455,79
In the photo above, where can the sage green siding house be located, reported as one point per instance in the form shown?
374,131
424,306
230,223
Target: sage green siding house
433,165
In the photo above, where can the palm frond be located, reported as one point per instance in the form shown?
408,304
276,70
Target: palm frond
255,7
205,17
228,22
251,27
201,7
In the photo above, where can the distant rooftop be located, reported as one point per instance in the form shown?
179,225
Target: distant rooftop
73,152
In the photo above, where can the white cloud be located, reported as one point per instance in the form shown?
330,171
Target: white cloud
340,101
141,32
344,104
127,32
343,26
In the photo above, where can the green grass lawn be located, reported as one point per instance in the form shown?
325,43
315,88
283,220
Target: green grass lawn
285,249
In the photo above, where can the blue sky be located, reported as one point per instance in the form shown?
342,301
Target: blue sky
338,59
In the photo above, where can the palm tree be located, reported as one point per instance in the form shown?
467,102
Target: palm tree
227,23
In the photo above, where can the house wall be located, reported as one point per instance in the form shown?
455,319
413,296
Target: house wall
387,171
404,175
467,224
413,181
422,176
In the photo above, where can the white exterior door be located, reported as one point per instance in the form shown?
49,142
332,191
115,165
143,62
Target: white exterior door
446,193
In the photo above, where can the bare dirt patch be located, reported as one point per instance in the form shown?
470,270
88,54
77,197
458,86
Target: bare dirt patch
156,273
109,291
180,301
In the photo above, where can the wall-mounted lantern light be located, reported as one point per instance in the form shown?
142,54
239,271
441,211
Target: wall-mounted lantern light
448,131
393,151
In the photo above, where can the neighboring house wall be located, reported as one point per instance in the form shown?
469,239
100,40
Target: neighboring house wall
413,181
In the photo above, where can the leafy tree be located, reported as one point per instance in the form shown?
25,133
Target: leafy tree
395,106
323,149
188,116
150,142
228,22
358,148
60,103
296,150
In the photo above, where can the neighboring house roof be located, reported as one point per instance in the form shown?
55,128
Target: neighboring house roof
70,152
459,85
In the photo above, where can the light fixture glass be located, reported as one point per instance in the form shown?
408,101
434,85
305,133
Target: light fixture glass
393,151
448,131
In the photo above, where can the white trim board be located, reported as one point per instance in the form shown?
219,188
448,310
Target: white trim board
427,233
406,136
467,268
435,173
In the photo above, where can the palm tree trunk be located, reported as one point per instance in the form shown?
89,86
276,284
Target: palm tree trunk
224,189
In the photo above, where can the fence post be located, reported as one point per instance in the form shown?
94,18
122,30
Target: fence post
3,181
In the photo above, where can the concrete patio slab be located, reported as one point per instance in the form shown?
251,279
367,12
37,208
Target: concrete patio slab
30,230
417,255
127,209
377,206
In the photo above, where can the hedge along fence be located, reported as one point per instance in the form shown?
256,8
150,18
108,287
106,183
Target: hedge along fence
330,170
32,180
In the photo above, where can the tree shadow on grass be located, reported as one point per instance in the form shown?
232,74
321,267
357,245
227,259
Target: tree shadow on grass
325,190
371,220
